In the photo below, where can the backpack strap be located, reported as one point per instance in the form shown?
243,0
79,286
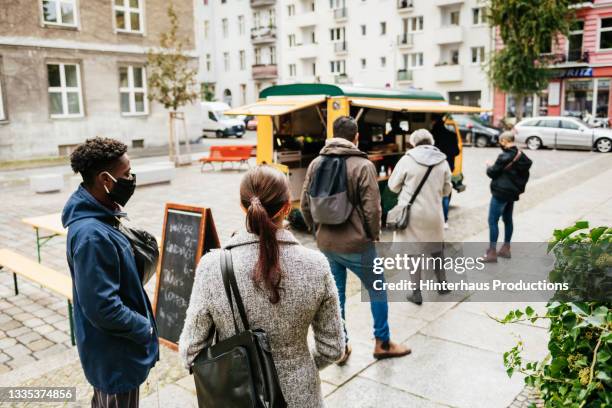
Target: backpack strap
420,186
231,289
516,157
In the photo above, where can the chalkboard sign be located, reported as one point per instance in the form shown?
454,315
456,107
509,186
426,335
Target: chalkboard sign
188,233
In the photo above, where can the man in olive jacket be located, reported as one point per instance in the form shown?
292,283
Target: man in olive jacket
350,245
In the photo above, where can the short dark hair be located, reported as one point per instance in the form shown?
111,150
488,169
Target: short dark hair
345,127
94,156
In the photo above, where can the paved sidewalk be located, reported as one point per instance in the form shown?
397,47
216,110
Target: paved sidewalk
457,349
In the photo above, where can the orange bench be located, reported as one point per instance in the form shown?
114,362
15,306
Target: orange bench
222,154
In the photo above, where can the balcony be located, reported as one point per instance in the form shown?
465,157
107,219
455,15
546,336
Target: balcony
448,73
405,6
262,35
444,3
341,13
340,47
264,71
405,40
342,79
580,4
404,75
572,58
449,35
306,19
306,51
262,3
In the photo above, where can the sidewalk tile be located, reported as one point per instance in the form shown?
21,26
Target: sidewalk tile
171,396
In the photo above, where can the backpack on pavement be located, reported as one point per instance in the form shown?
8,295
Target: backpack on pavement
328,192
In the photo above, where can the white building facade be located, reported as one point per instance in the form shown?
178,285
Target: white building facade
441,45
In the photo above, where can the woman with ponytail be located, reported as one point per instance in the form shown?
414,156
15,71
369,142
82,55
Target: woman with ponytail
286,288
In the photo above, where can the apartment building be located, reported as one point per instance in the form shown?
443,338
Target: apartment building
74,69
582,70
430,44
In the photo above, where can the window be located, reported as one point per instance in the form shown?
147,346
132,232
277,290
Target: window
568,124
478,16
363,63
242,58
291,10
338,67
363,29
132,90
416,24
454,17
208,63
272,55
383,62
292,42
605,34
548,123
2,113
241,25
336,34
258,56
478,55
454,57
574,48
272,18
226,61
60,12
546,47
383,28
225,27
65,98
292,70
256,19
128,15
415,60
206,29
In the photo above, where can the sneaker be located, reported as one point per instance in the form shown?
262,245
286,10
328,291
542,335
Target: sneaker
389,349
446,225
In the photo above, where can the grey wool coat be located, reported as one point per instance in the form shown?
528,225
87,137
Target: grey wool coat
308,298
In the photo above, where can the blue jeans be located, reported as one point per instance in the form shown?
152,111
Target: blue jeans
500,208
445,206
361,265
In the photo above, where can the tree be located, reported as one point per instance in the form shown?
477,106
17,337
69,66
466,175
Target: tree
171,79
527,29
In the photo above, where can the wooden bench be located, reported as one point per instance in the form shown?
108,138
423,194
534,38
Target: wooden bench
222,154
40,274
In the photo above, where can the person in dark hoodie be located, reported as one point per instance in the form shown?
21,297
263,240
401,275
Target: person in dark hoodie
115,330
350,245
447,142
509,175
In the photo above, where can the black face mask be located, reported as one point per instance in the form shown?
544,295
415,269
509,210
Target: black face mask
122,190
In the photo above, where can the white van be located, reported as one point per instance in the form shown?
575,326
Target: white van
215,123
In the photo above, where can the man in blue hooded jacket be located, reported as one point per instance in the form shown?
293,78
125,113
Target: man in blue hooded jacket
115,330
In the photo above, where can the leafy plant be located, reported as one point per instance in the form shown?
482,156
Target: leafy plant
527,29
577,371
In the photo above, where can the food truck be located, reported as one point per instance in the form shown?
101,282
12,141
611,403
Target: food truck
294,120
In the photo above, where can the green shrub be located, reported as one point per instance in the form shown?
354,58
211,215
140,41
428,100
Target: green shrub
578,369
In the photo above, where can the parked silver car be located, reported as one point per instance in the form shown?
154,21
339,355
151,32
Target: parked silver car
562,132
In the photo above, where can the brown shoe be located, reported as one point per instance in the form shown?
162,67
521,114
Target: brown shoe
504,251
345,356
389,349
490,256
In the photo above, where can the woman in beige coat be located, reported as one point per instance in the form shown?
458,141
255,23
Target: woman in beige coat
426,224
286,289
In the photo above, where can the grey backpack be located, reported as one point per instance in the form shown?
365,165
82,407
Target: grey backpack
328,192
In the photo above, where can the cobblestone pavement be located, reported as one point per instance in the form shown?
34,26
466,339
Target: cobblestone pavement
34,325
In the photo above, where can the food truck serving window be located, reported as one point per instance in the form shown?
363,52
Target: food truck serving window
274,106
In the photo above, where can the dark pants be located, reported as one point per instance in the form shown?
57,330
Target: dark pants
125,400
500,208
361,265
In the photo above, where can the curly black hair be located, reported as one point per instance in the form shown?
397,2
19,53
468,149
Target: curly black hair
94,156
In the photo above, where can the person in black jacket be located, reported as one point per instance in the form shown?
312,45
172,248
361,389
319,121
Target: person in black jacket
446,141
509,175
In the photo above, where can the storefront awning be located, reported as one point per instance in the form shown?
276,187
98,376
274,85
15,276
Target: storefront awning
274,106
399,105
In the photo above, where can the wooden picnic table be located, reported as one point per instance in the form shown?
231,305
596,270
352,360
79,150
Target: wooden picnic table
51,223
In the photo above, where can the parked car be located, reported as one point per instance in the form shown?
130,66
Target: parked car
562,132
476,130
215,123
